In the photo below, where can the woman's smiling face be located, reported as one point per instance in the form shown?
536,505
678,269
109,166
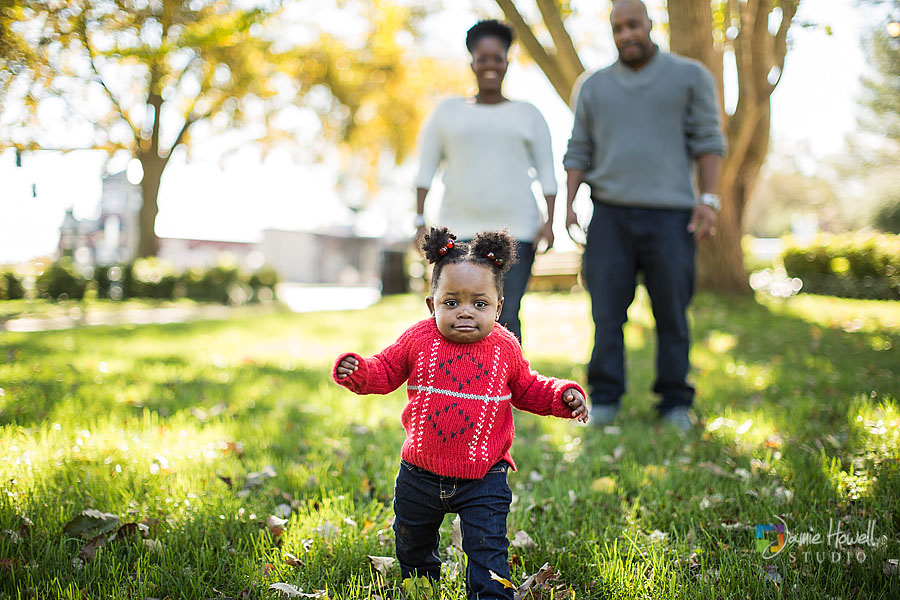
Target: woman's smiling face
489,63
465,304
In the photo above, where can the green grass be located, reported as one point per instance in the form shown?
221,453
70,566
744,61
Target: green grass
798,403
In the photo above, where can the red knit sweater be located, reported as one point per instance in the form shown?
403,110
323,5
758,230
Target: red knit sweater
458,419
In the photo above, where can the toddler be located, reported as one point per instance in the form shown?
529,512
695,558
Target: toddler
464,373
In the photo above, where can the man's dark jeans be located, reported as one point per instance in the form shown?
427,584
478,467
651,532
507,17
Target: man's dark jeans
622,242
422,498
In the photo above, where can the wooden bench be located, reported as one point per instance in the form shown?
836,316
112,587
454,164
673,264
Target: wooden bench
556,272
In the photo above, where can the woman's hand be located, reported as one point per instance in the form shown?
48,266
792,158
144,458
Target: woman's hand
347,366
545,233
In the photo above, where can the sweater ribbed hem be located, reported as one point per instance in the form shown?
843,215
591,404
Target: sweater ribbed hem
450,466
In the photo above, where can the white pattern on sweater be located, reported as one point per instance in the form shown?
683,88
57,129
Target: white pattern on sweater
487,151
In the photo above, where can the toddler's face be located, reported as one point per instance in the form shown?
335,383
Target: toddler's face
465,304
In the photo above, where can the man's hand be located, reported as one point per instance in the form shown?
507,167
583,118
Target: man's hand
347,366
576,403
545,233
703,222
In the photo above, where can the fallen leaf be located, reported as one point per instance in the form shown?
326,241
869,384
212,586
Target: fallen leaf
265,569
276,525
891,568
10,563
783,494
129,529
418,588
522,540
90,549
226,480
283,511
710,501
381,563
286,588
258,477
153,545
292,560
657,536
536,582
327,530
606,485
91,523
505,582
771,573
456,535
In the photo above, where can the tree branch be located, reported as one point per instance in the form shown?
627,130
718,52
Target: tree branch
779,49
569,61
134,130
548,64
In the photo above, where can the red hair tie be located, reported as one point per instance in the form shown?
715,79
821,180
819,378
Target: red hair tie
443,250
493,257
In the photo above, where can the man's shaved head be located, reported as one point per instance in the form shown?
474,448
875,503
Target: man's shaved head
638,3
631,32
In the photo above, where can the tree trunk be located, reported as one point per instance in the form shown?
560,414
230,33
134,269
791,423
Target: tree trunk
720,259
153,170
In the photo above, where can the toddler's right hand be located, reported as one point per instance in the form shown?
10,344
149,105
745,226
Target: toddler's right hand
347,366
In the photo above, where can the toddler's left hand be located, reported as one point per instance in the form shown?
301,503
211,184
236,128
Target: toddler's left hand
577,404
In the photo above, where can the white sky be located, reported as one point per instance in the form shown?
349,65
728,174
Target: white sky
813,109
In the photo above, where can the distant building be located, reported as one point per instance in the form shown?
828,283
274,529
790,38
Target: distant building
113,236
337,256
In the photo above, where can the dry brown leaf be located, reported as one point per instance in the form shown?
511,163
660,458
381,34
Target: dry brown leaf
292,592
505,582
522,540
381,563
275,525
90,549
292,560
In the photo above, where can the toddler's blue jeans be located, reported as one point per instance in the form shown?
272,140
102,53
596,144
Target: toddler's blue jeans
422,498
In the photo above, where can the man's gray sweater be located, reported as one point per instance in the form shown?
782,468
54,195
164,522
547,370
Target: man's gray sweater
637,133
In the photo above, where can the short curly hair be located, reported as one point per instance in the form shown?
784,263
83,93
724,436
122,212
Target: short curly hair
489,28
495,250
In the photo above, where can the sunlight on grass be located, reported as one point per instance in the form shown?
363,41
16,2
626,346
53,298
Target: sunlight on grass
203,431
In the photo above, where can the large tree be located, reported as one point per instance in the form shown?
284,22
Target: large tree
706,31
144,73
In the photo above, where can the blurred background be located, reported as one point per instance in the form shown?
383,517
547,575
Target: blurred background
217,149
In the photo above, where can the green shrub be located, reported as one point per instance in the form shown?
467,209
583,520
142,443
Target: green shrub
849,265
11,287
152,278
262,284
887,218
60,281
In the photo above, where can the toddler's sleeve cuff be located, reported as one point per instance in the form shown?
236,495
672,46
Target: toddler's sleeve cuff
559,407
355,382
